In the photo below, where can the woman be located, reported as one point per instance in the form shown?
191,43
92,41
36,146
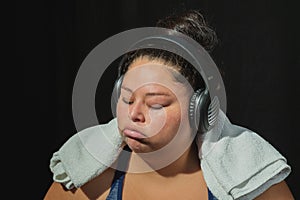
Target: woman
153,110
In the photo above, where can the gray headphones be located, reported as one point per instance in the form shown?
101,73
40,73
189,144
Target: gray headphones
203,111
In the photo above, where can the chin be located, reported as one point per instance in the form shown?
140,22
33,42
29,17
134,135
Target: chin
137,146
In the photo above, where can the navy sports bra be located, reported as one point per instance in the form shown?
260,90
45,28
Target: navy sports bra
116,189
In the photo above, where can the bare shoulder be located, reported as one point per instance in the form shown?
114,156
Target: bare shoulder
97,188
57,191
279,191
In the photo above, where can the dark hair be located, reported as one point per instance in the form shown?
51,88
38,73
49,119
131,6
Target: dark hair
190,23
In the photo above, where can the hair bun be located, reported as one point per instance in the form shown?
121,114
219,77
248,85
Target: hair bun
192,24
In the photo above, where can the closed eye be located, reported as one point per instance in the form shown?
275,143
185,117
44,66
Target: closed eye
156,106
127,101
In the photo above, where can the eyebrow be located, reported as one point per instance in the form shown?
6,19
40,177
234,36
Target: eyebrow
149,93
127,89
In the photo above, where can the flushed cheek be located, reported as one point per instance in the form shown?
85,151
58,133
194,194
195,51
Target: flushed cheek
173,121
122,115
157,121
120,109
169,127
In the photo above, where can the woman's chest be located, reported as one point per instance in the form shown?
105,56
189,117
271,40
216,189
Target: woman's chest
191,187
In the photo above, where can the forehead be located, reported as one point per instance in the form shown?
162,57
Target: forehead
149,72
143,73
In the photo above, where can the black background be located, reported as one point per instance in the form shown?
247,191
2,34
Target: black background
258,51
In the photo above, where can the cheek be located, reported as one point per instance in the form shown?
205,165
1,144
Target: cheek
172,121
174,116
179,116
122,112
120,108
166,123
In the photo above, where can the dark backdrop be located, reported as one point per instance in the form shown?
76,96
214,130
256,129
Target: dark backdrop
258,51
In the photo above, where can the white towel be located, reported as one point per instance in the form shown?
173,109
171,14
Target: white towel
237,163
86,154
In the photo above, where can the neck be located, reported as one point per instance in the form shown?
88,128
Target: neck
187,163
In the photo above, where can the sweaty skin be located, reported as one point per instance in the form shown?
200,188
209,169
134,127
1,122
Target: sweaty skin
148,123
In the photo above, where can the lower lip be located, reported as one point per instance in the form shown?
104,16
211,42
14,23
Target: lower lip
133,134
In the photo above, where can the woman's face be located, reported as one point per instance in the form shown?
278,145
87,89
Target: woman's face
152,106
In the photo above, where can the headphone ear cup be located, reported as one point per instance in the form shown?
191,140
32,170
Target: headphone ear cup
202,112
116,94
117,86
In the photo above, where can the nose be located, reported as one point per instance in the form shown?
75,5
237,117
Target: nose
136,112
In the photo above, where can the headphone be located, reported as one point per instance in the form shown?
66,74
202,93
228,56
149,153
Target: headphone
203,111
